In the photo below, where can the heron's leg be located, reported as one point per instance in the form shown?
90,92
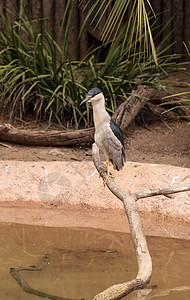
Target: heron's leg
107,169
105,178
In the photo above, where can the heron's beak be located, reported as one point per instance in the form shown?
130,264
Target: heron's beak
85,100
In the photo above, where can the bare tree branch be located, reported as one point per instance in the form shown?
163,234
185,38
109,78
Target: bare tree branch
162,191
118,291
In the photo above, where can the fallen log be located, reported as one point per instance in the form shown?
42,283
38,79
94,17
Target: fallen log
128,110
123,116
50,138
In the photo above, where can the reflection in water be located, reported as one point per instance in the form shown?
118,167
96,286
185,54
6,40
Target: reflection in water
83,262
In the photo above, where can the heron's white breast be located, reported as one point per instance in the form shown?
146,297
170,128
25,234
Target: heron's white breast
99,137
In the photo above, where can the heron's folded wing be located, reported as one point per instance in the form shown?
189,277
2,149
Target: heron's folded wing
115,149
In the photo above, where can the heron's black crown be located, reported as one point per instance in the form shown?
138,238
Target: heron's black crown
94,91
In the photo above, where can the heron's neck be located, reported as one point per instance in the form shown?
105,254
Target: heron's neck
100,114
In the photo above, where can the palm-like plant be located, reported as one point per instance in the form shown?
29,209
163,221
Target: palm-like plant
37,73
138,30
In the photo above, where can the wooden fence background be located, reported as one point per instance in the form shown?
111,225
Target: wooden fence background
165,9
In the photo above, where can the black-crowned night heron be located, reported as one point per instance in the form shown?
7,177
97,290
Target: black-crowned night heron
108,135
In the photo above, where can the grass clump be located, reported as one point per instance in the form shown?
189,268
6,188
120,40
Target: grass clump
181,101
38,75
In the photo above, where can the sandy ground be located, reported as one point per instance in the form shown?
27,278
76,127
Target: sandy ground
59,186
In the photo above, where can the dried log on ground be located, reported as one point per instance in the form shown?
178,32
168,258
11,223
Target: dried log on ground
124,115
128,110
119,291
41,138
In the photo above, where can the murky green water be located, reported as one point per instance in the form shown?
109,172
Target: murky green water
84,262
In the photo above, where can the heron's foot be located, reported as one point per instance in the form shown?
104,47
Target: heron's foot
105,170
102,171
105,178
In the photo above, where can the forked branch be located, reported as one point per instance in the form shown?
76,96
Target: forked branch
118,291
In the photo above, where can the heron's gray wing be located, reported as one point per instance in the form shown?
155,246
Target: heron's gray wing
115,150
